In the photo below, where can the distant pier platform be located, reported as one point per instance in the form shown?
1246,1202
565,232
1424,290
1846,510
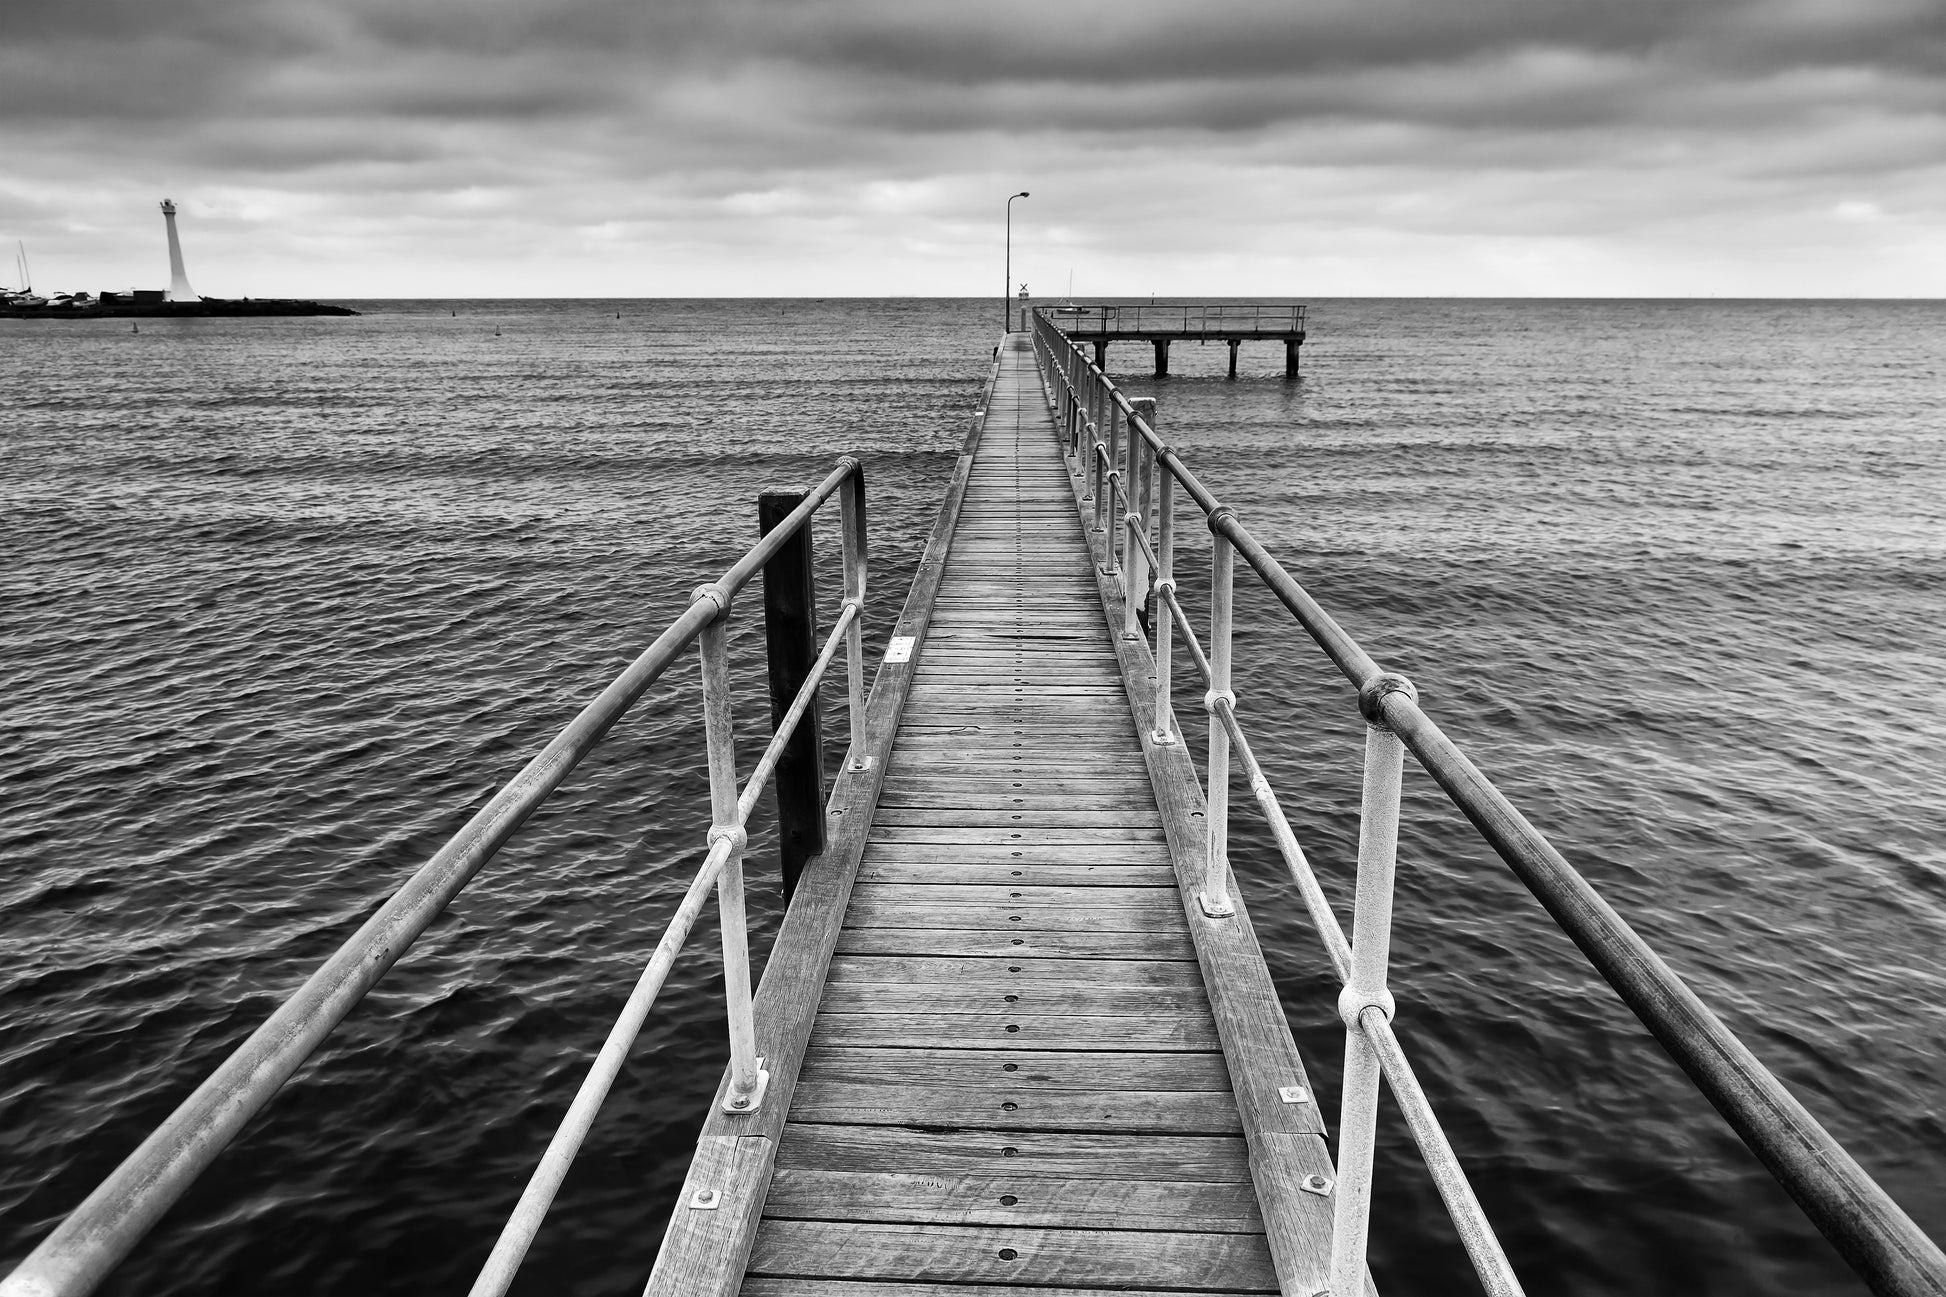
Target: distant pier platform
144,308
1158,326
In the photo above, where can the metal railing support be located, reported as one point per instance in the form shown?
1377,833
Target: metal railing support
1365,993
748,1080
851,530
1215,896
1165,594
1111,470
1135,492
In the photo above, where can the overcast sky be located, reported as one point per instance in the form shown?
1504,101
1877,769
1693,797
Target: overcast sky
347,148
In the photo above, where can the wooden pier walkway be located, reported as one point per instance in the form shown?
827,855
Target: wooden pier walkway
1016,1077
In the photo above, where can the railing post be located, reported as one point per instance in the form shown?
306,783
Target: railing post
1096,448
1365,992
1135,495
791,646
1165,589
851,526
1215,896
1096,402
748,1080
1106,519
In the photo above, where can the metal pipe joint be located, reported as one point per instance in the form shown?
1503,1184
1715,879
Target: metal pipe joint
717,595
1353,1002
1216,697
1372,694
733,834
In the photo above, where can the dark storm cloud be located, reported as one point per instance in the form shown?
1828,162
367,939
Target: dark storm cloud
732,122
956,65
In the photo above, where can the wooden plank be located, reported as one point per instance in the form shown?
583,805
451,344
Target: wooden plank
1062,875
1016,794
1001,853
703,1251
1299,1223
1014,993
1009,1069
1014,898
1170,1112
1016,1201
1050,835
800,1287
1051,973
1181,1031
1103,919
1160,944
1015,1255
1100,815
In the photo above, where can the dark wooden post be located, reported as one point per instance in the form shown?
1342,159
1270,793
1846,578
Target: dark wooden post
1291,346
790,636
1162,357
1234,344
1101,356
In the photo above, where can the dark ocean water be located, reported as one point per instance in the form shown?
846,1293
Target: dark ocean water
285,599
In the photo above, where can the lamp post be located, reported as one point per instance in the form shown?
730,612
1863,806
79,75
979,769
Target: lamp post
1006,289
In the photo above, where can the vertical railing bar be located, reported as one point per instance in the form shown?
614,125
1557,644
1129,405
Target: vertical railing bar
851,527
1215,897
747,1078
1371,942
1165,590
1134,588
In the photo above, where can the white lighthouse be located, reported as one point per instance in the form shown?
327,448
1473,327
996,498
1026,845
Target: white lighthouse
179,289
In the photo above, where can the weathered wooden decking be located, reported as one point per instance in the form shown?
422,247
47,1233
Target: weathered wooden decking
1032,1065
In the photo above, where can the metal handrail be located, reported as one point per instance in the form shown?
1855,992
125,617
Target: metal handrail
86,1246
1867,1227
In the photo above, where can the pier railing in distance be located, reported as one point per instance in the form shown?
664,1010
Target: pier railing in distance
93,1239
1131,481
1216,321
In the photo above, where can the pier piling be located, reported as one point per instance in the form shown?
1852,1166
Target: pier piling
790,639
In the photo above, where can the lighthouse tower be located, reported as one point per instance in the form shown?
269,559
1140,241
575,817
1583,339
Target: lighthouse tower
179,289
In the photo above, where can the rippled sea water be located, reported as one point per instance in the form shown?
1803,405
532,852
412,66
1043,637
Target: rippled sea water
286,599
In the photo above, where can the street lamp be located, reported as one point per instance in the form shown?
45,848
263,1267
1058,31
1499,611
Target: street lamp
1006,289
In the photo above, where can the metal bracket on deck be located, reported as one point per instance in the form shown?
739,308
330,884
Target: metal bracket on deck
1318,1184
1293,1094
751,1101
1215,909
705,1200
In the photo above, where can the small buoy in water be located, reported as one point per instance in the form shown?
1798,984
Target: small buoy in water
134,328
496,333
